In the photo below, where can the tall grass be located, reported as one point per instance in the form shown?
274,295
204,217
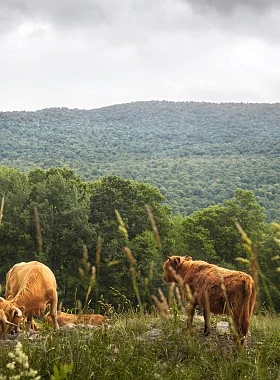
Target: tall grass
2,210
149,347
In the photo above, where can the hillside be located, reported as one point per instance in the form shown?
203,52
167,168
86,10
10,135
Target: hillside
197,154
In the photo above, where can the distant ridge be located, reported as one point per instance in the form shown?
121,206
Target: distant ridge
196,153
139,102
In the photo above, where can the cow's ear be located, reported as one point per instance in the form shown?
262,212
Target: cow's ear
169,258
188,258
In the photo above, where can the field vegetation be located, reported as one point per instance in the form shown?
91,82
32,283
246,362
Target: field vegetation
146,346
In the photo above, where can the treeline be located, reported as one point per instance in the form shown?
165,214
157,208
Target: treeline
196,154
124,230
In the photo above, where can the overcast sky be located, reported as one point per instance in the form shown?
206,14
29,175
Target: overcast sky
94,53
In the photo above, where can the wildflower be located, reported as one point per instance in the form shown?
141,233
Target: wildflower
20,365
11,365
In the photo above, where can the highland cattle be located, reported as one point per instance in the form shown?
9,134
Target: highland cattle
30,288
215,290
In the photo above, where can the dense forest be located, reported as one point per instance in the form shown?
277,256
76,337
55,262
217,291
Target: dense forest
108,238
196,154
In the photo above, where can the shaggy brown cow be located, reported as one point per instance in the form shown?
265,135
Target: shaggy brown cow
30,287
85,319
211,286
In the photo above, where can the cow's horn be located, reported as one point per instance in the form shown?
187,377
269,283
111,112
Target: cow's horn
17,312
189,258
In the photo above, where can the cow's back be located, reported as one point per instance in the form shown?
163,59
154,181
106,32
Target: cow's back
14,278
29,283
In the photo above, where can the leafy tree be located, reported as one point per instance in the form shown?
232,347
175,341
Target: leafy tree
17,224
247,212
63,212
268,257
130,199
211,234
198,241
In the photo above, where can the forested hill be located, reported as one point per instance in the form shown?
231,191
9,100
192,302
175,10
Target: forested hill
197,154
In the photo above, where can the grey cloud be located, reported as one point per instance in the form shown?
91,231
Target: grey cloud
77,12
134,22
118,21
60,14
230,6
82,14
257,19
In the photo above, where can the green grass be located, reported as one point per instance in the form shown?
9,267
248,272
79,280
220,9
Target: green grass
148,347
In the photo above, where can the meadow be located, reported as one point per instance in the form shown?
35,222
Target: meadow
137,345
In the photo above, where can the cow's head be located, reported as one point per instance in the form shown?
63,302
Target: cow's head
5,324
13,313
171,266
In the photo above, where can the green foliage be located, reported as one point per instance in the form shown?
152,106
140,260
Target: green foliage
210,234
129,198
110,218
268,258
196,154
63,208
15,230
61,372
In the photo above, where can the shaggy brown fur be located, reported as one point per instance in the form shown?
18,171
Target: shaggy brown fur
206,282
31,287
85,319
13,314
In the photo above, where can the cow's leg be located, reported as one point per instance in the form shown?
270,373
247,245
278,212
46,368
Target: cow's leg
3,330
240,327
191,312
53,311
244,329
29,319
206,315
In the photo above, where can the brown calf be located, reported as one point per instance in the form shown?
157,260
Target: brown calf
85,319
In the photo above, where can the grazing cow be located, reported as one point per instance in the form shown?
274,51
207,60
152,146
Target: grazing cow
214,289
30,287
85,319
